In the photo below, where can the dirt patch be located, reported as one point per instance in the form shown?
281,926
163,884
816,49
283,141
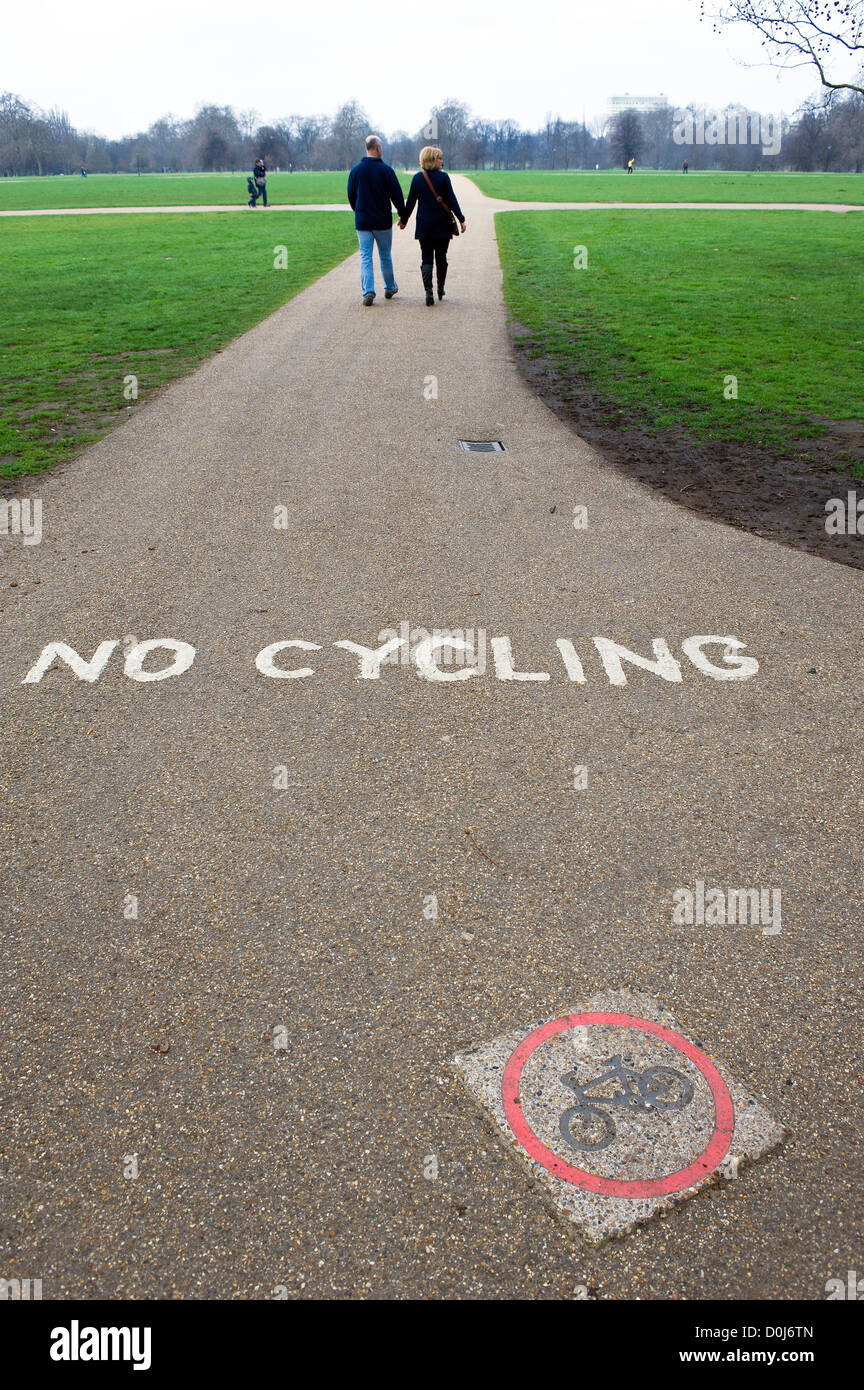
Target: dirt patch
43,408
134,352
779,496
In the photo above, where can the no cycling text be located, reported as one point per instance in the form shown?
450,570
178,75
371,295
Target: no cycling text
432,659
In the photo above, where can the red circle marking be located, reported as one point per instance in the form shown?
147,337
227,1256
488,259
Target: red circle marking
724,1111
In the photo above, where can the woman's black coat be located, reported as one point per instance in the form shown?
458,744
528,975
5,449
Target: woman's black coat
432,219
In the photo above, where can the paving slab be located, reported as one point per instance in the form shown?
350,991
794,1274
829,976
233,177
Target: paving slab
615,1114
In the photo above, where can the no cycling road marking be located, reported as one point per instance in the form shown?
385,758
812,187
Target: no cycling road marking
431,658
616,1114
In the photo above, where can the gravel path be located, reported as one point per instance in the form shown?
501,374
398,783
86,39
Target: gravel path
496,205
302,908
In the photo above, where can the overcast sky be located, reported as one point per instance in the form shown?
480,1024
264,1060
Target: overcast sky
115,67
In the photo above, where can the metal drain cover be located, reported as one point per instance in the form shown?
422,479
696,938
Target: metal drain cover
482,446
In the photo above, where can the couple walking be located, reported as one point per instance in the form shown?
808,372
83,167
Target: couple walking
373,187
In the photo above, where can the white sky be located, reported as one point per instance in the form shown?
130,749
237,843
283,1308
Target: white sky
116,67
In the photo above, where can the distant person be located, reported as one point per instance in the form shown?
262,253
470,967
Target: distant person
439,217
83,172
258,183
686,166
373,192
630,163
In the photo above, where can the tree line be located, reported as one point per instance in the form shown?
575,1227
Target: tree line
828,134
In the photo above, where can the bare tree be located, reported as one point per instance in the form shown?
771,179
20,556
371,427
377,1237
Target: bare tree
348,129
16,123
626,138
402,149
248,122
308,131
660,149
213,152
475,146
228,150
452,117
165,142
552,141
505,135
273,145
825,34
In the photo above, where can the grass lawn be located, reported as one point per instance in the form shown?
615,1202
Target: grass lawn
165,190
649,187
672,303
90,300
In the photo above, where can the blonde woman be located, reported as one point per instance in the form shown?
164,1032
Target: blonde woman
439,217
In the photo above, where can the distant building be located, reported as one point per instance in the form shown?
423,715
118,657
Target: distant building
628,102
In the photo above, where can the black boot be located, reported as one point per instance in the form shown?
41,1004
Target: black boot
426,272
442,276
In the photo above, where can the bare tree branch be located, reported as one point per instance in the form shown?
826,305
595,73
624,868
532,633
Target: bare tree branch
803,33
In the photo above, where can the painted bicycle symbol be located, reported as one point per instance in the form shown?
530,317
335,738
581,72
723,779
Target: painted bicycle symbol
588,1126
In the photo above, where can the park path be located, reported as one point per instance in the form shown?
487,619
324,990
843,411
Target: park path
495,204
245,986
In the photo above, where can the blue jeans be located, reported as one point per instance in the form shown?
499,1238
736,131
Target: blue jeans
383,238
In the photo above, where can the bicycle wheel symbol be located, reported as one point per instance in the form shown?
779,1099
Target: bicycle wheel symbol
588,1126
664,1088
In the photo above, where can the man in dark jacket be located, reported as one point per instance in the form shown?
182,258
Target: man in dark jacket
372,188
437,215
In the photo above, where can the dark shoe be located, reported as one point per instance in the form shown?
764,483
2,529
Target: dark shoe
440,291
426,272
388,294
368,300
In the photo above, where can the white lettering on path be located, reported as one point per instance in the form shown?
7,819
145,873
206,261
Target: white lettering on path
265,664
428,658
